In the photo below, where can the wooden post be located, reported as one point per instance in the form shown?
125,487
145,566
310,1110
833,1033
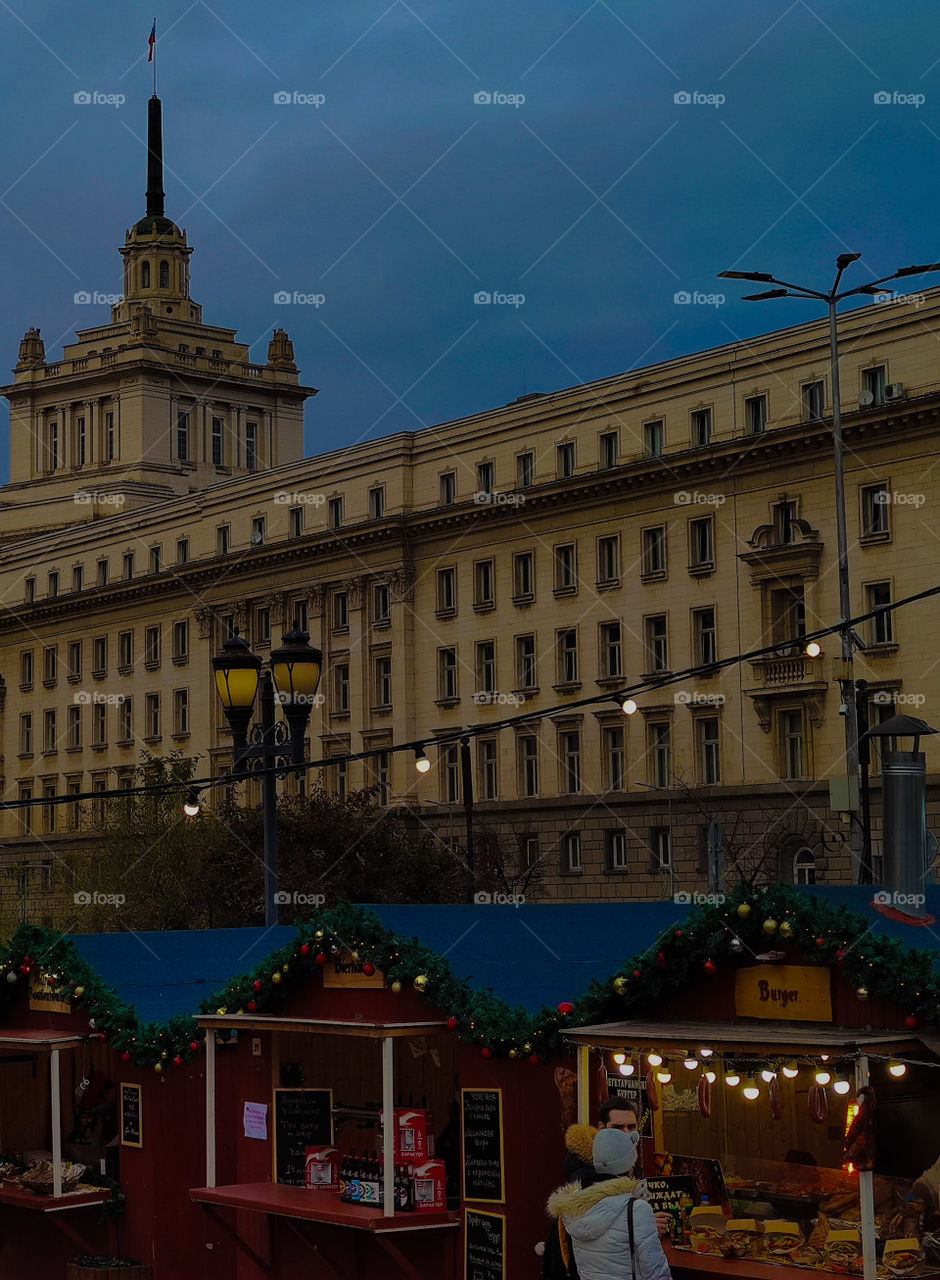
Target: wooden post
866,1190
210,1107
55,1082
584,1084
388,1125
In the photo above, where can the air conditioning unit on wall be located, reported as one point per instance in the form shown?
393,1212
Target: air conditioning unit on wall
894,391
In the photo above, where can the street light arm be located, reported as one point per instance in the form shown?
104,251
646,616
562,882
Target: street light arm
765,277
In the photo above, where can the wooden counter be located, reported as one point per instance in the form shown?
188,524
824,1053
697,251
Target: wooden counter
682,1261
317,1206
21,1199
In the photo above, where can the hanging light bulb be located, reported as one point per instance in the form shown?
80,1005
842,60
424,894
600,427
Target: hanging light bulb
711,1076
791,1070
664,1075
191,805
813,649
628,707
705,1053
620,1059
823,1077
824,1057
627,1068
422,763
841,1085
654,1058
733,1078
897,1069
768,1074
690,1063
751,1090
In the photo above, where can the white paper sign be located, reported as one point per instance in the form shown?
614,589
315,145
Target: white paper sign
256,1120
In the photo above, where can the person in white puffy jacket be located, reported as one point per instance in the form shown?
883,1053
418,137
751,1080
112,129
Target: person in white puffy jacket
594,1215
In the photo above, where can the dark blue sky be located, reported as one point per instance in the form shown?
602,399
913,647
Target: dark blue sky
399,197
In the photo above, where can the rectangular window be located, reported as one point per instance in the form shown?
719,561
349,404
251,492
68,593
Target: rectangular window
340,611
53,584
102,573
448,488
26,733
99,649
26,669
608,560
382,773
125,650
251,446
181,640
528,852
450,776
486,666
100,723
523,575
299,615
78,573
262,634
341,777
657,643
152,646
182,551
223,539
484,584
98,786
525,470
567,642
341,688
181,712
446,590
660,753
654,552
704,637
616,850
29,590
755,414
708,747
74,809
609,449
49,730
128,564
566,567
218,442
486,477
81,439
377,502
702,543
876,505
488,769
701,428
565,459
126,720
792,744
881,626
182,437
447,674
661,848
74,728
50,664
654,438
787,615
110,438
614,758
156,559
48,810
295,522
525,662
334,513
75,660
611,650
873,383
383,682
569,749
26,813
259,530
528,747
784,523
571,851
814,400
152,715
381,603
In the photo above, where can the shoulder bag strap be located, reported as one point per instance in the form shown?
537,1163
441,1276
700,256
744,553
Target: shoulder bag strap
632,1240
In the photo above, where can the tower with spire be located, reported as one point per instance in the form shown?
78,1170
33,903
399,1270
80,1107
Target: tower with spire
152,404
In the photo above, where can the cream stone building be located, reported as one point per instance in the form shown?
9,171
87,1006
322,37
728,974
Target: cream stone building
562,547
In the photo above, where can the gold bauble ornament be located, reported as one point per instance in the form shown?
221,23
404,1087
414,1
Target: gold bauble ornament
396,986
770,925
164,1054
275,977
284,968
158,1067
527,1048
221,1012
421,982
786,929
514,1053
79,992
320,935
620,986
862,993
744,910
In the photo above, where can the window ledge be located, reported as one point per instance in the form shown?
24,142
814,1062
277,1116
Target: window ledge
654,575
125,742
872,539
25,755
339,715
157,737
99,746
446,702
441,613
881,650
651,676
49,684
340,631
125,669
573,872
381,624
524,600
180,737
74,749
608,584
99,675
28,688
74,679
570,686
182,660
610,682
565,591
384,710
152,664
527,691
702,570
481,606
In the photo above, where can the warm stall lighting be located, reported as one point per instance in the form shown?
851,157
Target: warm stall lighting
897,1069
791,1070
841,1086
751,1090
654,1059
705,1053
626,1069
768,1074
732,1078
711,1076
620,1059
813,649
824,1057
628,707
690,1063
664,1075
823,1077
422,763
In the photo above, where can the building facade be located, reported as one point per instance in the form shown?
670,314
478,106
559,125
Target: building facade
522,559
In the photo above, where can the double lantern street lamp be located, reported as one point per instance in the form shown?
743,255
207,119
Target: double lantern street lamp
831,299
292,680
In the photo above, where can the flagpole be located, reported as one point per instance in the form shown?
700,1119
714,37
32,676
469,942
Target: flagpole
155,59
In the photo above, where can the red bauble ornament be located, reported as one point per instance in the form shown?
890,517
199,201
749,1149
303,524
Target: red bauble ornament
710,967
820,942
27,960
566,1007
195,1046
368,969
912,1022
661,960
486,1052
252,1006
321,959
178,1061
24,968
534,1059
257,984
451,1024
125,1056
305,949
637,973
678,933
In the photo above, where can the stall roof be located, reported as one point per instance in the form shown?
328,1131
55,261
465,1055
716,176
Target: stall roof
782,1036
38,1038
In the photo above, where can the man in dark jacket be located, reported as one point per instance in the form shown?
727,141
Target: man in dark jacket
615,1113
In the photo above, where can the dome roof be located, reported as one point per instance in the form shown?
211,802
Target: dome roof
156,225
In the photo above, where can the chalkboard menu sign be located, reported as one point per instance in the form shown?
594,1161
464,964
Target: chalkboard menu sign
484,1246
302,1118
670,1193
132,1134
482,1132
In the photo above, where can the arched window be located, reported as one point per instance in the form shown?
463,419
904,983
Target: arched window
164,275
145,275
804,867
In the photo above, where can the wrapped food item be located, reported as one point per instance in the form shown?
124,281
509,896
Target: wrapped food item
740,1239
843,1251
782,1238
706,1228
901,1257
820,1233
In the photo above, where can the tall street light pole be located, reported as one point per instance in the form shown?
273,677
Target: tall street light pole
858,844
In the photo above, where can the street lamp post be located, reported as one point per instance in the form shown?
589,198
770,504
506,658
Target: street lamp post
292,681
831,299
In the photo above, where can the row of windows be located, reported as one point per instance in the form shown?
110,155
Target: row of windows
80,451
72,730
75,655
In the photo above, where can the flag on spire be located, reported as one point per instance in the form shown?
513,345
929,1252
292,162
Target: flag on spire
151,42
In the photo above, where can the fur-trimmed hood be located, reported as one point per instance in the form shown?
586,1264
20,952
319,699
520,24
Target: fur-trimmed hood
573,1201
579,1139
